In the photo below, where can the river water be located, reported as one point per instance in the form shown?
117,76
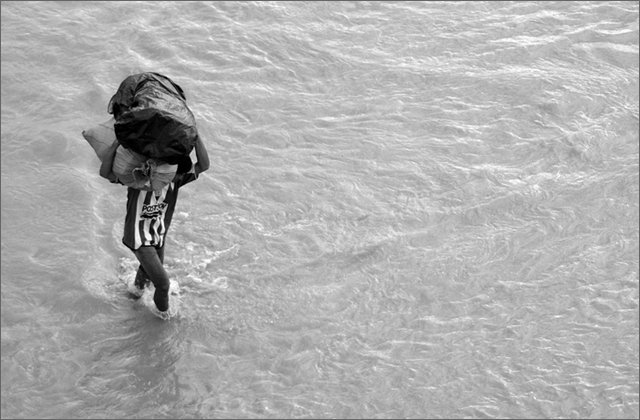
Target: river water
413,210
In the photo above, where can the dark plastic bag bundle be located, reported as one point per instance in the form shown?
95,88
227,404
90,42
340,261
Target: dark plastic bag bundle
132,169
152,117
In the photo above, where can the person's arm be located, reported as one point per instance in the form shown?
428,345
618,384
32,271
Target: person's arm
202,156
106,168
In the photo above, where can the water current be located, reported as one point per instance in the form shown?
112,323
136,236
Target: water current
413,210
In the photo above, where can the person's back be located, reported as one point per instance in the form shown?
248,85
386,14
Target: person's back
148,218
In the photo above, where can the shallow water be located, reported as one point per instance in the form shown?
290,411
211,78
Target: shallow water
413,210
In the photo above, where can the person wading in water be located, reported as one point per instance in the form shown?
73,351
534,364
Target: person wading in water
148,218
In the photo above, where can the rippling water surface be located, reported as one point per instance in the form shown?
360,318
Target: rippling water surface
414,210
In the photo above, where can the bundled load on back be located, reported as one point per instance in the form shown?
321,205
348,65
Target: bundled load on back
152,117
154,126
132,169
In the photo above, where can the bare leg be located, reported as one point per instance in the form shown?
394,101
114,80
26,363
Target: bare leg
142,278
160,252
151,263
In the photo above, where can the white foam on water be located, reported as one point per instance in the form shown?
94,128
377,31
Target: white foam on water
127,275
414,209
